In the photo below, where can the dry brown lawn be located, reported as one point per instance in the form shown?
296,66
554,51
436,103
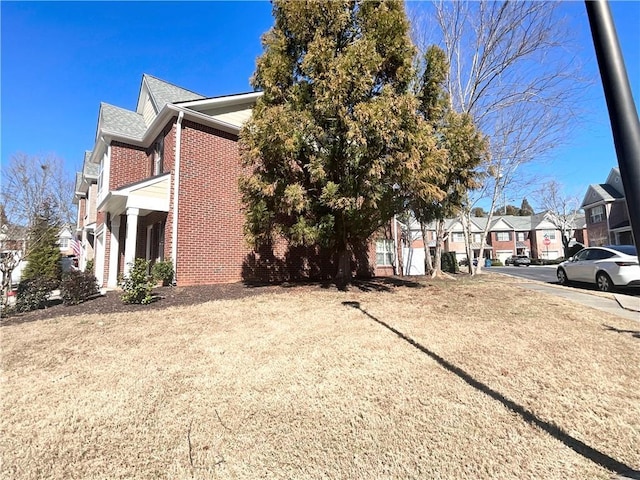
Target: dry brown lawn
457,379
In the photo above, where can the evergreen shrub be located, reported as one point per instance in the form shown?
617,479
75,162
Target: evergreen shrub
76,287
34,293
137,285
163,272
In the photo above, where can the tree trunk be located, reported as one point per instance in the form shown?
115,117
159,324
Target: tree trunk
344,274
439,241
428,267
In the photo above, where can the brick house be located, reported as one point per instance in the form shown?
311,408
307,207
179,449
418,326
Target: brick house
606,213
161,183
508,235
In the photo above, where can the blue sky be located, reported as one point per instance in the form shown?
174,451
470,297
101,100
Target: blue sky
61,59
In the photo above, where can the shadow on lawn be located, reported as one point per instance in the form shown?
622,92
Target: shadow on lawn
633,333
576,445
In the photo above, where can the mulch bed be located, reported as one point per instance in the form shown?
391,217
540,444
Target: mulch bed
183,296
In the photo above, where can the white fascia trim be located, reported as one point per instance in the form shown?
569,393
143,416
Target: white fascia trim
160,122
222,101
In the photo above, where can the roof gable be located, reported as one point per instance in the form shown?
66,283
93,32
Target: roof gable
160,93
501,224
118,121
600,193
615,180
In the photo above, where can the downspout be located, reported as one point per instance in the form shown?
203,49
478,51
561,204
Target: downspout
176,189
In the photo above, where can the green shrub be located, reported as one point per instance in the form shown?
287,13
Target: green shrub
34,293
90,266
449,262
137,285
76,287
495,262
163,272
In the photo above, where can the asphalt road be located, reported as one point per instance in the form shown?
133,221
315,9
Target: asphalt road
548,275
539,273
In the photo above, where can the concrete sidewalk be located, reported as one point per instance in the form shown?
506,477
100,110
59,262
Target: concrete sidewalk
618,304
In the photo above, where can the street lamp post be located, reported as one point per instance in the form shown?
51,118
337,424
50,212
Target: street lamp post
622,110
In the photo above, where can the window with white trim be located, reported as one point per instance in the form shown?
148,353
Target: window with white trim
64,243
477,237
550,234
503,236
158,156
384,252
520,236
457,237
597,214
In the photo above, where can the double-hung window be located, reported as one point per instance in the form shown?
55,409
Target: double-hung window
597,214
503,236
384,252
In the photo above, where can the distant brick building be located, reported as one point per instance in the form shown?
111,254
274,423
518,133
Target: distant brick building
161,183
606,212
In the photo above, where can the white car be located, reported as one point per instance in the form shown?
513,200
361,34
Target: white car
606,267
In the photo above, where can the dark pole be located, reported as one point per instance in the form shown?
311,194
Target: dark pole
622,110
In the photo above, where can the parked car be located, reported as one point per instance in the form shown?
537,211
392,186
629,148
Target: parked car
607,267
465,262
518,261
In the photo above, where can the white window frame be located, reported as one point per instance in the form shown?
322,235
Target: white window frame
384,249
597,214
500,236
457,237
520,236
550,234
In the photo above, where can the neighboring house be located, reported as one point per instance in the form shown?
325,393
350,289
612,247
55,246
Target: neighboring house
534,236
166,188
66,239
606,213
86,196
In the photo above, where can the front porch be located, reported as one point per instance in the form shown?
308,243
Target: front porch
134,227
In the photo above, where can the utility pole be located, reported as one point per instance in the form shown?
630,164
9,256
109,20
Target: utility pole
622,111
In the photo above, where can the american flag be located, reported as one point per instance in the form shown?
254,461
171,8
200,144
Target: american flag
76,246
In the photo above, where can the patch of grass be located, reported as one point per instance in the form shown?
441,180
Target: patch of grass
436,382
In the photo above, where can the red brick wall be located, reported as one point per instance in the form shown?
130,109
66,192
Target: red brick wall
211,247
128,164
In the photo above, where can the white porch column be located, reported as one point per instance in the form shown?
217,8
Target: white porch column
130,241
114,252
99,257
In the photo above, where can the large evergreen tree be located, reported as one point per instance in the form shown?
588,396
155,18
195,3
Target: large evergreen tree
43,252
335,136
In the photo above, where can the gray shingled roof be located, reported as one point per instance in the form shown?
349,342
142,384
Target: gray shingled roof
163,92
89,169
119,121
78,181
606,191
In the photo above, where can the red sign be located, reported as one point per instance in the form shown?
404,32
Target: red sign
547,241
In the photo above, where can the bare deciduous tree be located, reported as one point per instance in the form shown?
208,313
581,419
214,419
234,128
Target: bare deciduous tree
28,181
513,71
560,209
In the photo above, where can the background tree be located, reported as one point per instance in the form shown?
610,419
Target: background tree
513,72
525,208
336,129
43,251
28,181
478,212
561,210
